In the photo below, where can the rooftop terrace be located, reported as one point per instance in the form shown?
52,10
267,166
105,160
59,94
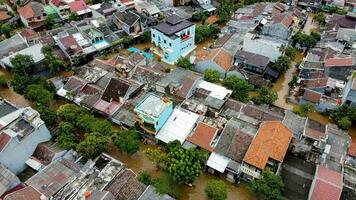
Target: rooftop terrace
153,105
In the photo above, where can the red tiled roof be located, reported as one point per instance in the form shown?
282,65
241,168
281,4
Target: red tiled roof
338,62
26,11
70,42
77,6
203,136
56,2
187,84
29,34
271,141
286,19
27,193
328,184
4,16
4,139
352,149
312,96
218,55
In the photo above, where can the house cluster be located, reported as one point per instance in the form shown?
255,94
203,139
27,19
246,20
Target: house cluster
58,173
251,42
241,140
327,71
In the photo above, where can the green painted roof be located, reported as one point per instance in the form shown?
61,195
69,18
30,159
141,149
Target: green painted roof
49,10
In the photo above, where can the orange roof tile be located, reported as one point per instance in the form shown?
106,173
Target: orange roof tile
26,11
271,141
203,135
218,55
339,62
312,96
352,149
4,15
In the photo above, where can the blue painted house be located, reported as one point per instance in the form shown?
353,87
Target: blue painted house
173,38
349,93
152,112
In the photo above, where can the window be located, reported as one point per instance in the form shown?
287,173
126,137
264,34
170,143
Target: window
165,41
188,32
170,44
153,35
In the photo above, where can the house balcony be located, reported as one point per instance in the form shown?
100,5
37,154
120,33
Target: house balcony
185,37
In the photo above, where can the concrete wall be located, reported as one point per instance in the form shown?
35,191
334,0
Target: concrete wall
164,117
276,30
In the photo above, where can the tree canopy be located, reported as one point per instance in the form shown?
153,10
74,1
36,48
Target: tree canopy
47,115
305,40
204,31
240,88
6,30
184,62
265,96
69,112
93,145
128,141
66,137
344,116
216,190
22,64
282,64
211,75
38,94
269,186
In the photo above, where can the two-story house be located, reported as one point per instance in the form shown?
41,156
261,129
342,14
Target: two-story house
279,27
129,22
19,139
152,112
32,15
267,149
173,38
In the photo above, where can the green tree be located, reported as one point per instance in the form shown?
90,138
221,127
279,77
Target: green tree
73,17
53,62
128,141
184,165
86,122
47,51
6,30
303,109
102,126
211,75
126,41
47,115
66,136
240,88
145,37
269,186
282,64
265,96
344,123
199,16
292,83
290,51
69,112
305,40
22,64
157,156
38,94
320,18
20,82
3,81
170,146
93,145
216,190
166,185
144,177
50,21
184,62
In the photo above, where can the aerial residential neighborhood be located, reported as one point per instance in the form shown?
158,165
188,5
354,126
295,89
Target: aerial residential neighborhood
177,99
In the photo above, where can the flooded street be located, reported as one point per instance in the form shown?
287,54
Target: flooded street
310,24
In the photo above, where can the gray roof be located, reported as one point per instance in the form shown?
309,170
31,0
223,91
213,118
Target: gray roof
34,51
151,194
11,45
6,108
8,180
174,77
100,195
128,18
295,123
235,139
37,9
125,117
252,59
173,25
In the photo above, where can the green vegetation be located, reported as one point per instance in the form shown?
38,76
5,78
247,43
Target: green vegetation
93,145
240,88
128,141
216,190
320,18
200,17
202,32
269,186
66,137
50,21
126,41
184,63
6,30
47,115
344,116
165,185
211,75
3,81
73,17
226,8
157,156
303,109
331,9
305,40
290,51
54,63
265,96
292,83
38,94
144,177
282,64
145,37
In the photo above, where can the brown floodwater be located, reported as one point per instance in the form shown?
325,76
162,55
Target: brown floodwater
139,162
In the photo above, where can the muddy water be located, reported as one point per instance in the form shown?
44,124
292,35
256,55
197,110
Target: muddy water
139,161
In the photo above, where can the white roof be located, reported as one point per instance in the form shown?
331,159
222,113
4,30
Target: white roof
34,51
218,162
178,126
216,91
34,164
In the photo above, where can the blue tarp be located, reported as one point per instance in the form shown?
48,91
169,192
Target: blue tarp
133,49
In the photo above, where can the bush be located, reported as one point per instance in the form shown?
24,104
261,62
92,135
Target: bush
211,75
144,177
3,81
290,51
184,62
165,185
216,190
303,109
344,123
